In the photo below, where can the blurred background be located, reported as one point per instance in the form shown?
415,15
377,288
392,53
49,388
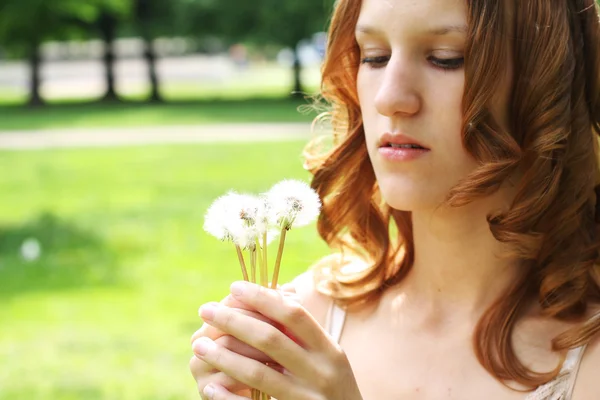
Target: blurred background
120,122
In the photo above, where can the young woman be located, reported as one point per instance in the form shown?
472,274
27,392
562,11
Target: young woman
460,200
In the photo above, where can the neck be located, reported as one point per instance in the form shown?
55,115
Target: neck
458,271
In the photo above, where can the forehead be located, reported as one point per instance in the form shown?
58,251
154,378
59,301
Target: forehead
395,14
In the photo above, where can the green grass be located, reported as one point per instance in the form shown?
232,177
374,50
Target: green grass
131,114
108,309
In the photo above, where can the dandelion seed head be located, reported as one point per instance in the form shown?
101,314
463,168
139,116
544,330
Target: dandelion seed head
31,249
292,203
232,218
216,216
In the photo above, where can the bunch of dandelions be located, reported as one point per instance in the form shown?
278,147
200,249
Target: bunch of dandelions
252,222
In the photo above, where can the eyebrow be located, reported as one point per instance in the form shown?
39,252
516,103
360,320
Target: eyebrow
436,31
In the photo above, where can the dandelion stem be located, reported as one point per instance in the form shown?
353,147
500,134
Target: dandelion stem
253,265
263,278
242,262
278,259
264,260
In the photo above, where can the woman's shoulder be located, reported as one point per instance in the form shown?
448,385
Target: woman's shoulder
587,385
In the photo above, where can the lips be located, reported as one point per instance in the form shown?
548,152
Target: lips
400,141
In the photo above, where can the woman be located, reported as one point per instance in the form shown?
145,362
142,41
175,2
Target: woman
469,128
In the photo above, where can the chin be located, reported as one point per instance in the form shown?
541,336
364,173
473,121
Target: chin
410,196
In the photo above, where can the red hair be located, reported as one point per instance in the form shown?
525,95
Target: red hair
552,141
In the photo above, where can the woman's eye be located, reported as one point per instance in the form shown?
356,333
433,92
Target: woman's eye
375,62
442,63
447,63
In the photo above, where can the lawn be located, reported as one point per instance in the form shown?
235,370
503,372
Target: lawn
132,114
107,311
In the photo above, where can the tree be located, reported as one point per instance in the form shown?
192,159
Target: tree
282,22
107,23
109,15
287,22
25,24
153,18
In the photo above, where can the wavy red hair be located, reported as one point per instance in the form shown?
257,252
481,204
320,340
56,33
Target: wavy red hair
554,124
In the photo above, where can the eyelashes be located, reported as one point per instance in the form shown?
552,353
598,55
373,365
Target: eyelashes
447,63
440,63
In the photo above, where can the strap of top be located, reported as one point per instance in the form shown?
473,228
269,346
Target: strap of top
574,360
560,389
336,317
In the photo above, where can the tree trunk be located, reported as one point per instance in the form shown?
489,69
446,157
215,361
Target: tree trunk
35,64
150,57
108,27
298,88
144,11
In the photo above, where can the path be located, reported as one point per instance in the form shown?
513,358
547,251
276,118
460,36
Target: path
109,137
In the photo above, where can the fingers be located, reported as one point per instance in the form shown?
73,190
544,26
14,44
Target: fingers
243,349
232,302
214,333
204,374
250,372
217,392
225,386
278,308
288,291
237,346
260,335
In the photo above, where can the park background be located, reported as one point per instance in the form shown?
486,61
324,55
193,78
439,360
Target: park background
120,122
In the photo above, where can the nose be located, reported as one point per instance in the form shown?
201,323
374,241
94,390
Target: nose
397,93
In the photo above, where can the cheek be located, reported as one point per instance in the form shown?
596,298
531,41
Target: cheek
446,114
366,89
446,102
362,90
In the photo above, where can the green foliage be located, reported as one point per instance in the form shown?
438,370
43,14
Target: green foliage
283,22
287,22
26,23
155,17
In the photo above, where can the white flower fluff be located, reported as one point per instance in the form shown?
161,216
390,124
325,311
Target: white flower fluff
238,218
232,217
292,203
263,221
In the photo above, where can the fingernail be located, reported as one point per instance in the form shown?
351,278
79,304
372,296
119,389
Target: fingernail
203,345
207,311
209,391
237,288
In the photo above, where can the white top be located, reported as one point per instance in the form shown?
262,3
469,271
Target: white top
561,388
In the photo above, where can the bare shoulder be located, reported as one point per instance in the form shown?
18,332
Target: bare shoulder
315,302
587,386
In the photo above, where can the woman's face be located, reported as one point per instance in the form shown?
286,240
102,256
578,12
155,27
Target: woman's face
410,87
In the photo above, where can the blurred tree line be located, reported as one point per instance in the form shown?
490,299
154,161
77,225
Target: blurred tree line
26,24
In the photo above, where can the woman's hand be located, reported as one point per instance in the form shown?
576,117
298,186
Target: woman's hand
312,365
204,373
